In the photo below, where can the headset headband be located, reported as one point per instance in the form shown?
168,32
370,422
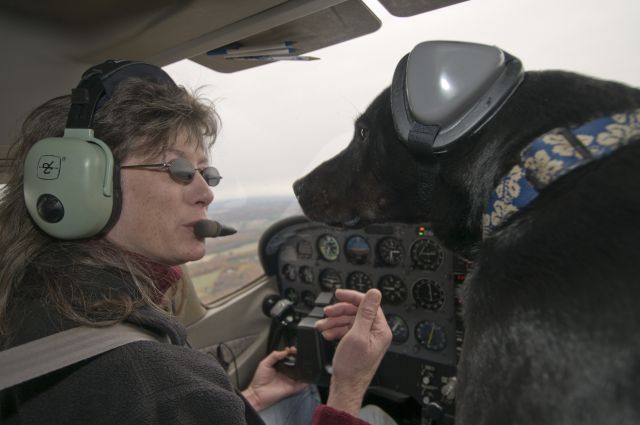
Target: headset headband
98,84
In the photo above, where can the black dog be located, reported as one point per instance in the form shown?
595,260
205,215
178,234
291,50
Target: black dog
552,309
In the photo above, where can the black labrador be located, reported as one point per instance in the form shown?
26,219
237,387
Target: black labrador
552,310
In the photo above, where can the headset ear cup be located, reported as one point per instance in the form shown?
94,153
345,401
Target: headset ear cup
71,183
443,91
68,184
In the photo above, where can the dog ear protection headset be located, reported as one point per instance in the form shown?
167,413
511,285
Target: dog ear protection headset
72,183
445,90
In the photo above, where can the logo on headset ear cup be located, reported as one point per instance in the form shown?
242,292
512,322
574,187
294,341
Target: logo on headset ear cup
68,184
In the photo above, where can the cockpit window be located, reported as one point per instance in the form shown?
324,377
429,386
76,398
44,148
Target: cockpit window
281,120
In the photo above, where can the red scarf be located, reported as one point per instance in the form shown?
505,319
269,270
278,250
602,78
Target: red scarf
163,276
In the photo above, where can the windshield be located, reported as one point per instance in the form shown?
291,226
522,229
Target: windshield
281,120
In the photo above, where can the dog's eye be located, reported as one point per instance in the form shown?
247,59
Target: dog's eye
364,132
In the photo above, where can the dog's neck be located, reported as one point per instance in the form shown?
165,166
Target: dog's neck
553,155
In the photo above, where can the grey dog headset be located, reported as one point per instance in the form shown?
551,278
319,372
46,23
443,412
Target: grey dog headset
445,90
71,183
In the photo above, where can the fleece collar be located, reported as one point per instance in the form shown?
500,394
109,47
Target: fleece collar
553,155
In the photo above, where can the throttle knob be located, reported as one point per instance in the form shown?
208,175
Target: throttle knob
449,389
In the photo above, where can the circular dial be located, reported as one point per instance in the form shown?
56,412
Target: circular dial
308,298
330,280
359,281
391,251
357,250
393,289
306,274
291,295
426,254
329,247
428,294
289,271
431,336
303,248
399,329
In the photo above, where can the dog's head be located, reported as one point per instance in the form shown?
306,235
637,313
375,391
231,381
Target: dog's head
377,179
389,172
373,180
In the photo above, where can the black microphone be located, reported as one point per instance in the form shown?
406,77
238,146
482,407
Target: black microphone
211,229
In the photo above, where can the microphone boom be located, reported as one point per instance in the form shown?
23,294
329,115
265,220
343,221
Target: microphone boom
211,229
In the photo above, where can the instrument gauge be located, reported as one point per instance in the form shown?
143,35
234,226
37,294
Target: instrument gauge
399,329
357,250
393,289
289,271
308,298
306,274
431,336
426,254
330,280
303,248
291,295
390,251
359,281
329,247
428,294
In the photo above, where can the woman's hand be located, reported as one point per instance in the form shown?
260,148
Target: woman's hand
358,321
268,386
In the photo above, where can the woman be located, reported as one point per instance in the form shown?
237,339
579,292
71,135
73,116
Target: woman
160,137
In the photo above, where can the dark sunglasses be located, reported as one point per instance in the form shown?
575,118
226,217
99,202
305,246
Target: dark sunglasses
182,171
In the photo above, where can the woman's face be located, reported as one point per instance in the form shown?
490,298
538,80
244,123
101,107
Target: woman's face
158,213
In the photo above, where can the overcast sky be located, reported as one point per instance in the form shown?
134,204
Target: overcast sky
282,119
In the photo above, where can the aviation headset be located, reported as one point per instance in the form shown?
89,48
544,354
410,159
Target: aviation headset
445,90
72,183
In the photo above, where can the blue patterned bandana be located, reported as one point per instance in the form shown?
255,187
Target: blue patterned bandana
553,155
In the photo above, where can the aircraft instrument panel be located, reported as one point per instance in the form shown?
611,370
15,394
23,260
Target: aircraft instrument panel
419,280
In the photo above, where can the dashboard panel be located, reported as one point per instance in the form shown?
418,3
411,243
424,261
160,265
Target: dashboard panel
419,279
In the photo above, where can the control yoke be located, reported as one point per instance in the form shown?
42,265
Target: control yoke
311,361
